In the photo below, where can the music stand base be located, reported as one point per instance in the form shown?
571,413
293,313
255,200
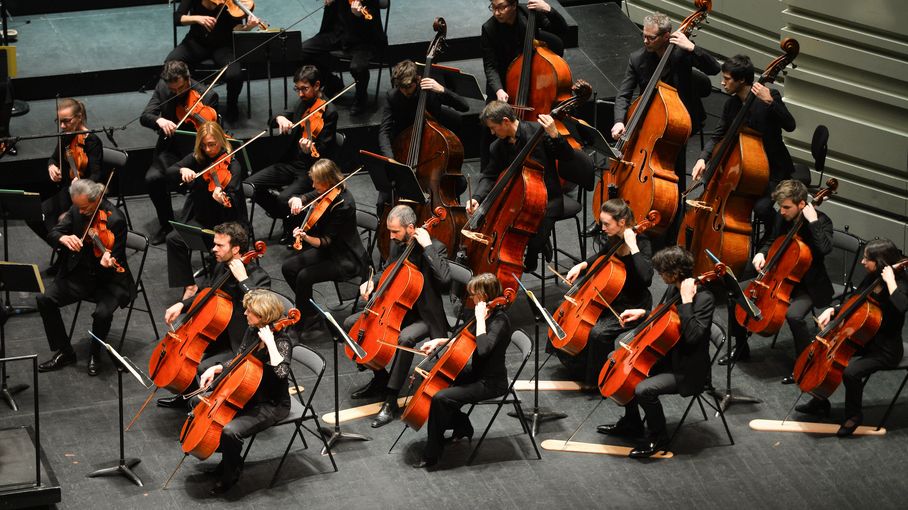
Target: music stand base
538,416
338,436
124,468
8,391
727,398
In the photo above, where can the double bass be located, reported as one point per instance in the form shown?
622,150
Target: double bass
591,295
496,236
786,262
649,342
378,328
436,155
736,177
658,126
818,369
451,360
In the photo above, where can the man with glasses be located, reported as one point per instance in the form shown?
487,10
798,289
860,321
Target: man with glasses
276,184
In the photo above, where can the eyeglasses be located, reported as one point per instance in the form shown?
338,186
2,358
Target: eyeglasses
303,89
500,8
64,121
653,37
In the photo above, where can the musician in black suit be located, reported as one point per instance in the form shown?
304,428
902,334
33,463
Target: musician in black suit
485,376
685,369
815,288
84,275
160,115
332,249
425,320
767,116
231,241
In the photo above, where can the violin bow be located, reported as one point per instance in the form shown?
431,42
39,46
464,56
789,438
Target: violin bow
322,107
329,190
97,206
227,155
201,96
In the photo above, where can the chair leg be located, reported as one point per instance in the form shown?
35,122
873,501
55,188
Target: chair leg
273,224
321,435
72,327
526,424
892,403
580,239
678,427
702,409
724,423
132,305
280,464
148,309
554,250
249,446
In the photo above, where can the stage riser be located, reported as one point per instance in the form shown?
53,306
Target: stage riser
29,7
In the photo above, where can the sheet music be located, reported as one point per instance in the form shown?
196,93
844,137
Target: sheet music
125,361
355,347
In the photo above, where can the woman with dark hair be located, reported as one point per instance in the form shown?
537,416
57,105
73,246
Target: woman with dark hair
882,351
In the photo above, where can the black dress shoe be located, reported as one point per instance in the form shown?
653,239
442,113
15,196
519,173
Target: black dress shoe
815,407
849,426
788,380
624,427
386,415
174,402
216,471
374,388
649,449
221,486
59,360
160,236
465,432
741,352
93,365
12,150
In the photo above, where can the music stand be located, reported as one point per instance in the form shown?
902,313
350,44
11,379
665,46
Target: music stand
461,83
17,205
196,238
398,179
261,45
17,278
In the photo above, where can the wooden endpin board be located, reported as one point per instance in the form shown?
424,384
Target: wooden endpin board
525,385
355,413
810,427
558,445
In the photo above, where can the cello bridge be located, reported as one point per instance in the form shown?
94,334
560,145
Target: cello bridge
625,346
476,236
422,373
571,300
699,204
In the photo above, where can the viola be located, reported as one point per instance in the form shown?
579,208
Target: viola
378,328
238,9
231,391
103,238
318,209
736,177
313,124
194,111
818,369
76,157
786,262
592,294
658,125
649,342
495,237
218,176
451,359
436,155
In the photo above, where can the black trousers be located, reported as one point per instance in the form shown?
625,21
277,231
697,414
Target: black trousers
646,396
193,53
601,343
317,51
66,291
159,180
179,259
410,335
309,266
853,377
276,184
445,413
53,208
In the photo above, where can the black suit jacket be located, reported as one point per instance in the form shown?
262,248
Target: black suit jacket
162,104
640,68
690,356
325,142
106,280
767,119
399,112
338,232
200,207
502,43
351,30
818,237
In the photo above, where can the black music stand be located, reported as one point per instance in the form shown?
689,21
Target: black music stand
260,46
196,238
461,83
398,179
17,278
17,205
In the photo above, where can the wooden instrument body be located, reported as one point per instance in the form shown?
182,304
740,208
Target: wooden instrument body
721,222
201,113
175,360
549,82
76,157
577,318
646,177
818,369
626,367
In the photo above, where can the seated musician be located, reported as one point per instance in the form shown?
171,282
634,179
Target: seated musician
685,369
400,110
633,302
425,320
276,184
331,251
71,117
84,275
815,288
210,35
512,135
768,116
204,207
885,349
160,115
271,401
484,377
231,241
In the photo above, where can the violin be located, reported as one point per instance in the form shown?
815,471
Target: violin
361,10
378,328
231,391
591,295
103,238
194,111
435,154
76,157
218,176
658,126
449,364
238,9
649,343
786,262
317,209
735,178
313,124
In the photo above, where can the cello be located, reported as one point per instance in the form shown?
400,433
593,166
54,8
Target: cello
378,328
658,125
649,342
496,236
786,262
818,369
735,178
449,364
436,155
591,294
